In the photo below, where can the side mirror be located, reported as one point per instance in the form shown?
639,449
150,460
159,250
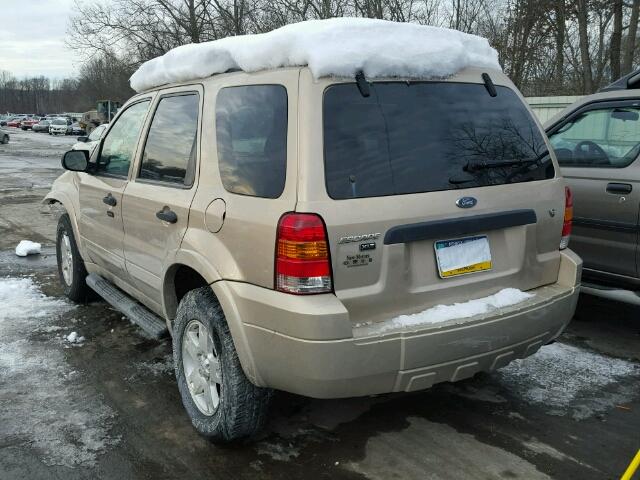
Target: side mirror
76,160
83,139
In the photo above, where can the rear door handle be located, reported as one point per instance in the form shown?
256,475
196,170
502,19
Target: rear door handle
619,188
110,200
167,215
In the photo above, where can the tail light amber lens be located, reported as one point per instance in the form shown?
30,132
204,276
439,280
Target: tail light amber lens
303,265
568,218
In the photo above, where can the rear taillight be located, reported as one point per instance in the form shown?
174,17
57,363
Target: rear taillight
568,218
302,255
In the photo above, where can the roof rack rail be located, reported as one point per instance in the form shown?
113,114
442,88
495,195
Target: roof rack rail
627,82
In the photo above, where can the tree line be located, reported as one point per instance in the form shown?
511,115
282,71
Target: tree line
547,47
102,77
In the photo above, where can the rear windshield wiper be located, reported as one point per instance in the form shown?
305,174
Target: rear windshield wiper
472,167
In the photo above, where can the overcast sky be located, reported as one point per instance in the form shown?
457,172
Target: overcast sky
32,38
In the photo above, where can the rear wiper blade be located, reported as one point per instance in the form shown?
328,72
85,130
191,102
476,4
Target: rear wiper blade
472,167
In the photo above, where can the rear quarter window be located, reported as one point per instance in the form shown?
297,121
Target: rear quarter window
251,134
427,136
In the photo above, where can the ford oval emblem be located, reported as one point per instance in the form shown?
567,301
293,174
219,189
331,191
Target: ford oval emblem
466,202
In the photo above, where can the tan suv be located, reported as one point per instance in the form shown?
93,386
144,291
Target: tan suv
597,143
330,237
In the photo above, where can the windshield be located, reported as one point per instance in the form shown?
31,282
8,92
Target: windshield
428,136
59,122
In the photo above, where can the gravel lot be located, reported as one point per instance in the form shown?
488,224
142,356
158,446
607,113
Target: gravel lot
108,407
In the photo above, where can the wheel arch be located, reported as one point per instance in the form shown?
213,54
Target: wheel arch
199,272
63,200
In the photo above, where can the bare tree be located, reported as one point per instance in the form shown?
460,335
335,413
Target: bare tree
582,14
630,43
546,46
615,47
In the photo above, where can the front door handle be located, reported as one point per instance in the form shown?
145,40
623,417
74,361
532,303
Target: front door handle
619,188
167,215
110,200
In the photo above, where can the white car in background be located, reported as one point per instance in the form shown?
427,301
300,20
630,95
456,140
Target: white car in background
89,143
60,126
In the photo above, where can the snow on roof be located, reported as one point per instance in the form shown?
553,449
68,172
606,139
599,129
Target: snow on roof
335,47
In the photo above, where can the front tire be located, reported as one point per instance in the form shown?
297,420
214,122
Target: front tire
221,402
71,270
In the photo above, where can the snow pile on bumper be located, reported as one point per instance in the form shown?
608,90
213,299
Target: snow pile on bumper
443,313
335,47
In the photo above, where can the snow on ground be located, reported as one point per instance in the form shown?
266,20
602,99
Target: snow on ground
443,313
154,368
42,403
277,451
570,380
437,451
74,338
335,47
27,247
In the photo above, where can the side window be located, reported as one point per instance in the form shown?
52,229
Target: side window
120,144
608,137
251,131
170,150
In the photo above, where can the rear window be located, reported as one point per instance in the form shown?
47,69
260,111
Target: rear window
428,136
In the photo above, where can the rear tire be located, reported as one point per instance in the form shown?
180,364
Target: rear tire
5,140
71,270
208,370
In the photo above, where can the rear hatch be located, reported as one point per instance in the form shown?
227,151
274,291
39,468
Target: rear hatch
434,193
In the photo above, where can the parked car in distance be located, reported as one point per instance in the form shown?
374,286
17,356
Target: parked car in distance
90,142
60,126
295,233
76,129
15,122
4,136
28,123
597,143
41,126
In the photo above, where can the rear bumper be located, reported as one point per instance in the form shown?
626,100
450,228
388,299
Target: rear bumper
283,331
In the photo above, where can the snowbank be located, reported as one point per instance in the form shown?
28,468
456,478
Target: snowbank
443,313
335,47
27,247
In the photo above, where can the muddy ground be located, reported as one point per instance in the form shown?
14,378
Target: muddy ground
108,407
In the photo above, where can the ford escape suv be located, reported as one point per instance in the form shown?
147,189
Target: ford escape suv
330,237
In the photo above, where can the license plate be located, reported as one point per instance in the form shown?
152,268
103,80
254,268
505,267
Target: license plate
464,255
